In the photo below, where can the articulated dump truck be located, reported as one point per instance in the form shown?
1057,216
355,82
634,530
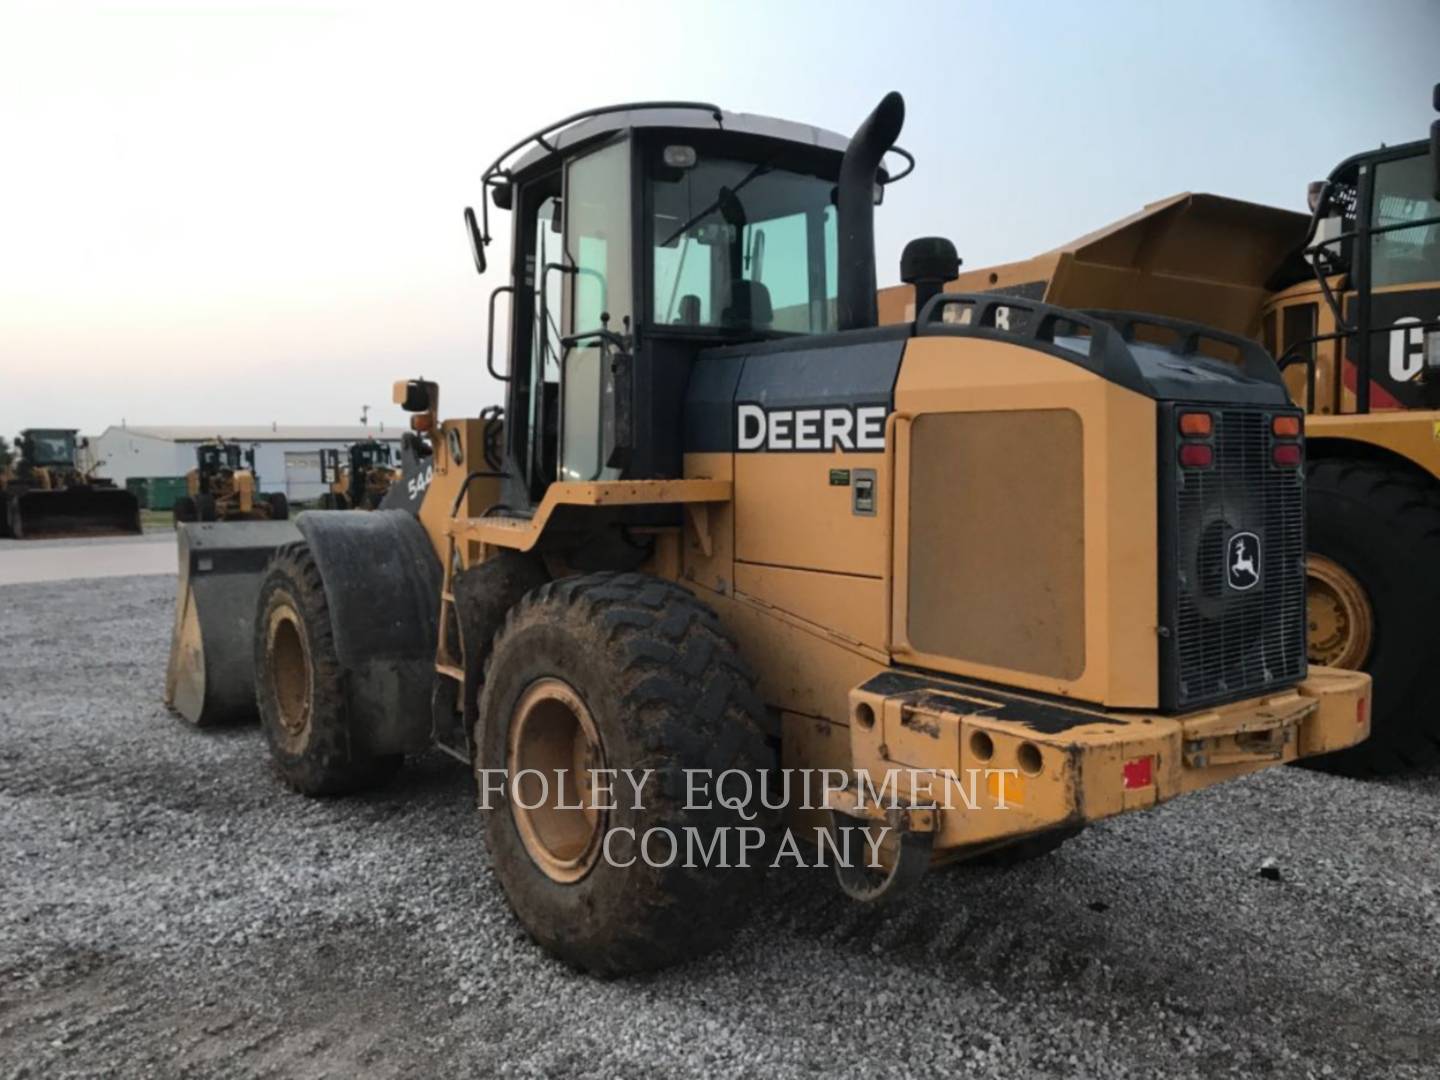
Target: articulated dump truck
734,532
48,493
1348,298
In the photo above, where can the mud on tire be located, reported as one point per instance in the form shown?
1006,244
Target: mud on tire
298,684
665,690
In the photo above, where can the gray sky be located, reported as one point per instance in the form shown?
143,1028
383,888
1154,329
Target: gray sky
239,213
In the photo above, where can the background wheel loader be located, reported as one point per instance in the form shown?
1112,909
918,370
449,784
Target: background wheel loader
48,492
221,487
1348,298
363,482
733,526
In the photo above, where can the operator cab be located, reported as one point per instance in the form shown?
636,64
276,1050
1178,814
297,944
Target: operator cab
371,454
1376,222
642,235
48,447
221,456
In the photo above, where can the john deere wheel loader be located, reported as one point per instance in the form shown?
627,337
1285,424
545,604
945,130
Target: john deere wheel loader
221,487
1348,298
47,493
363,482
736,526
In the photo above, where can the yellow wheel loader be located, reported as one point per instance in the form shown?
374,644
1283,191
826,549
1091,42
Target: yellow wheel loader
221,487
743,557
1348,298
363,481
48,493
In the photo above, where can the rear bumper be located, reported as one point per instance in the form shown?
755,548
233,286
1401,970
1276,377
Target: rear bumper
998,766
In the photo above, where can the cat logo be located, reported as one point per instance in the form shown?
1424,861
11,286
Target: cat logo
1242,566
1407,349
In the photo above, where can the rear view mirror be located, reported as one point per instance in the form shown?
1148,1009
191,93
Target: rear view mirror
477,242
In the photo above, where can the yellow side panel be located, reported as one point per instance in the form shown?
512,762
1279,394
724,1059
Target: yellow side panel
849,607
800,670
1120,576
1414,435
787,513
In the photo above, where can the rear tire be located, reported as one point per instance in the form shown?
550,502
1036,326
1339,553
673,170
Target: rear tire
185,510
630,673
1381,527
299,686
279,506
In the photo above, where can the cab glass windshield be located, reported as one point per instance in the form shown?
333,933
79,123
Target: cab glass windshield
1408,253
53,447
739,245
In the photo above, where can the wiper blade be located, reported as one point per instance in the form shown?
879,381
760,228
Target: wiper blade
762,167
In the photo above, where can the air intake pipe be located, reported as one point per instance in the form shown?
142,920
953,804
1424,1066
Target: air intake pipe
856,304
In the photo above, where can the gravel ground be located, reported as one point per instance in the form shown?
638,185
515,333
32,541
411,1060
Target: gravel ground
168,909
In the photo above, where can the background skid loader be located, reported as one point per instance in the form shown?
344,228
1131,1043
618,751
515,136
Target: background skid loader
47,493
221,487
730,523
363,481
1348,298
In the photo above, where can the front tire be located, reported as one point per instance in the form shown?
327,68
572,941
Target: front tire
1374,584
630,673
299,687
279,506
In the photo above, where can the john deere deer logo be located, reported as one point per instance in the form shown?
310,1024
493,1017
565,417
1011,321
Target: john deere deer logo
1242,568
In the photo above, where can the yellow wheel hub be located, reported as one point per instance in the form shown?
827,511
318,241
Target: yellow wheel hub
1339,617
288,654
554,750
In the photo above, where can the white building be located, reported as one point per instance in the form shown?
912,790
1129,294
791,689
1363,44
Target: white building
287,457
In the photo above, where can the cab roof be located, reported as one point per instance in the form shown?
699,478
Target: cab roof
702,116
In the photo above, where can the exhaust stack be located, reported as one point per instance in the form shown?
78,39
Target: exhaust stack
856,303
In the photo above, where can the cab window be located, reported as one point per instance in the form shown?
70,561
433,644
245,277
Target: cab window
1410,254
739,245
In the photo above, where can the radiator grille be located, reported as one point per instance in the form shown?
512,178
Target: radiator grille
1232,632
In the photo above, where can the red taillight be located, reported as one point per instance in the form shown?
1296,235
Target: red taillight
1196,455
1286,427
1360,711
1196,424
1139,772
1287,455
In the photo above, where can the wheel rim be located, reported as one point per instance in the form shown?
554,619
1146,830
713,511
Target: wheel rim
553,736
288,659
1339,617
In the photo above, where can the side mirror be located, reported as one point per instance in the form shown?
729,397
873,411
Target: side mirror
477,241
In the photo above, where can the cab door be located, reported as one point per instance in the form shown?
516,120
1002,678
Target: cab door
597,297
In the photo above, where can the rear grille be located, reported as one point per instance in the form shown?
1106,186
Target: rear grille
1232,588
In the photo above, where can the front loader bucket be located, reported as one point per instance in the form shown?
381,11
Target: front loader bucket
211,675
74,511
